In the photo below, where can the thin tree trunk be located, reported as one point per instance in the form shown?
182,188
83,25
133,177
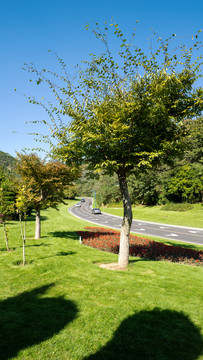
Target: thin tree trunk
23,250
123,258
21,225
23,234
6,236
24,237
37,224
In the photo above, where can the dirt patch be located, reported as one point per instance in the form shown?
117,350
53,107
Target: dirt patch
113,266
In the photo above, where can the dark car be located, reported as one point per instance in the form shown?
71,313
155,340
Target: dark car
96,211
82,200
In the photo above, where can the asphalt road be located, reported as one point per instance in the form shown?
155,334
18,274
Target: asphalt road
171,232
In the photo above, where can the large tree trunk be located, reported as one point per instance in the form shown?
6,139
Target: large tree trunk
37,224
127,221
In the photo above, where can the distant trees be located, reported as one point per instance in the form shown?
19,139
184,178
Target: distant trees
7,204
7,162
145,187
105,186
46,182
186,185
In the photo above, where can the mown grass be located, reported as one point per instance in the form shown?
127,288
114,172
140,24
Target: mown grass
191,218
62,305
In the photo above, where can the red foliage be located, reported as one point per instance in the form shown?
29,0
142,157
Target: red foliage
108,240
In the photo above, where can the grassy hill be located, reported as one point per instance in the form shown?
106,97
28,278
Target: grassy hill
62,305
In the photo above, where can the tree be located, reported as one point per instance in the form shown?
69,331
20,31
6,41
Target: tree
145,187
107,189
46,182
125,112
194,151
7,204
184,184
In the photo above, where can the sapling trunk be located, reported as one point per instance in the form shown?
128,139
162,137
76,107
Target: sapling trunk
6,236
37,224
24,237
24,251
23,234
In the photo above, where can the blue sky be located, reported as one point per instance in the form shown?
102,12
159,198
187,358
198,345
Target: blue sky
28,29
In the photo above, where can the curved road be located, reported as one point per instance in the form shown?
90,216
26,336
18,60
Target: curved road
171,232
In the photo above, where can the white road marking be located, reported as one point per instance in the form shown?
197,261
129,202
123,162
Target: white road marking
163,227
172,235
193,232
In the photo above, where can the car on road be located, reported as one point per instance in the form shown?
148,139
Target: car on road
82,200
78,204
96,211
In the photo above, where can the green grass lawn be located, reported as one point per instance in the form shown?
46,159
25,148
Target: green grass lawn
63,306
191,218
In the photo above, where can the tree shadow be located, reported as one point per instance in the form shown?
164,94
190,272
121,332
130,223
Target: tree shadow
65,253
138,259
65,234
60,253
32,217
180,244
38,245
28,319
153,335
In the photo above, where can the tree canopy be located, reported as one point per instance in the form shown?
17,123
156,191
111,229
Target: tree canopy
45,182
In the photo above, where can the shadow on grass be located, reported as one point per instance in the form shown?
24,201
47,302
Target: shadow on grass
65,234
153,335
179,244
61,253
38,245
32,217
28,319
138,259
65,253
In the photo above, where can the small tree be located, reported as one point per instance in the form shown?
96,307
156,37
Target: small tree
46,182
127,112
7,207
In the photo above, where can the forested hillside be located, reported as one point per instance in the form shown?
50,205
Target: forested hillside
7,162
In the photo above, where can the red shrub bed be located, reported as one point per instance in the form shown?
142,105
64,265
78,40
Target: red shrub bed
108,240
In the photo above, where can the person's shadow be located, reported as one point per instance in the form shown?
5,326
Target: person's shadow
153,335
29,318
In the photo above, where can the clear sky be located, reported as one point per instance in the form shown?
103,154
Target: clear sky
28,29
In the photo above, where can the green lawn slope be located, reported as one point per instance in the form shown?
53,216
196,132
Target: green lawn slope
63,306
191,218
